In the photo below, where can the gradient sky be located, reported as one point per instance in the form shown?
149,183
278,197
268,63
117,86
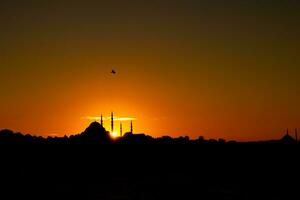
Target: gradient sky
221,69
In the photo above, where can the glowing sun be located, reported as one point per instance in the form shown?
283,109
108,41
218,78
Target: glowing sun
114,134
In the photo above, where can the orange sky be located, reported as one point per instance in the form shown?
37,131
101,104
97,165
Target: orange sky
221,70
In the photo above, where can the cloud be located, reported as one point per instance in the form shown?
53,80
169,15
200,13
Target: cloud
126,119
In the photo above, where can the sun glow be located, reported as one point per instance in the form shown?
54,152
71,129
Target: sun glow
114,134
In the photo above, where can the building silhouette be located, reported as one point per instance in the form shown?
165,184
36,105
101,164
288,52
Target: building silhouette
131,127
287,138
95,133
121,129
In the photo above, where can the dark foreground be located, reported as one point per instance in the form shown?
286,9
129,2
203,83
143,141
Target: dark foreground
150,172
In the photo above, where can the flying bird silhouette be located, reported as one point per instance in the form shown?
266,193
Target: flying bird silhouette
113,72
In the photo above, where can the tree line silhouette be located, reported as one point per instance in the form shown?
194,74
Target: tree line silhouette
96,134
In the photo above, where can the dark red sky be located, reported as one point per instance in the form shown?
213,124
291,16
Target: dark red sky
225,69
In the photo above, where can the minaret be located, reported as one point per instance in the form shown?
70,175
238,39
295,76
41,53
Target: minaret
121,129
296,134
112,122
131,127
101,120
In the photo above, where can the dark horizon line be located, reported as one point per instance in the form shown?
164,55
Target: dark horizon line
286,136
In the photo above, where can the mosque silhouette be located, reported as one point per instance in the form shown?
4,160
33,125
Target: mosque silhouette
96,134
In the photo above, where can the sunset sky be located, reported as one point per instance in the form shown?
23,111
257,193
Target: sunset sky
220,69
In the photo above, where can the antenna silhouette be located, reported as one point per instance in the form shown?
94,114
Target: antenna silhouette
112,122
101,120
